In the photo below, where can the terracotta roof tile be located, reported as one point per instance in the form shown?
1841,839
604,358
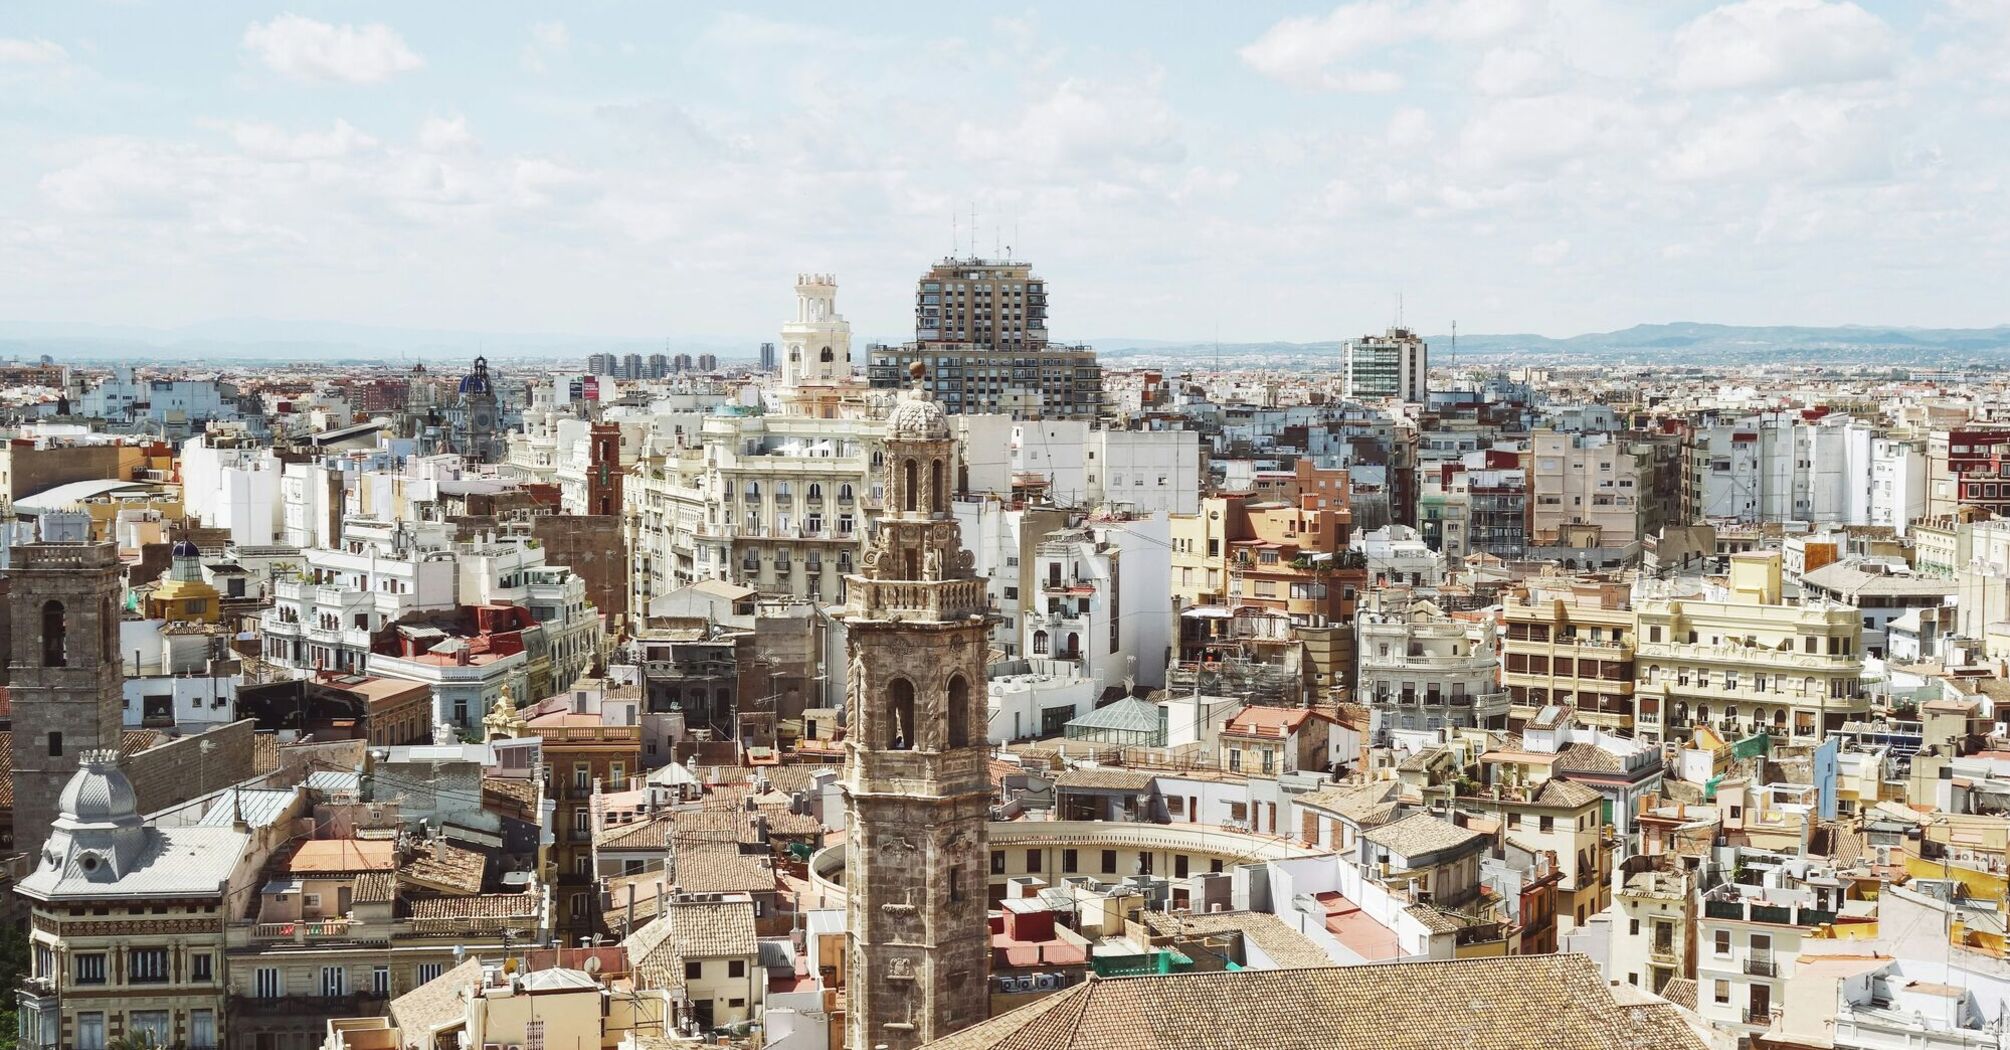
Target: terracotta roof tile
1545,1002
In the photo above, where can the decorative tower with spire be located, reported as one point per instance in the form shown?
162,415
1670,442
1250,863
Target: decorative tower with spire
916,786
504,721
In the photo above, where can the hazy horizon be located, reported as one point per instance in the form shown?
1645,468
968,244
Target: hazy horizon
1278,171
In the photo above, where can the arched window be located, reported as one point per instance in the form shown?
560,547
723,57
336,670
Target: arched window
1074,646
816,491
1039,643
826,356
900,715
795,355
55,643
959,712
911,474
935,487
844,492
911,563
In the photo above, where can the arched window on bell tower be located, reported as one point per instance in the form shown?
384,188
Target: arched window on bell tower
959,711
910,476
900,715
936,497
55,640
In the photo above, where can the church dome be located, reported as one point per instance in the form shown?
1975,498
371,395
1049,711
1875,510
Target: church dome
98,793
185,549
917,416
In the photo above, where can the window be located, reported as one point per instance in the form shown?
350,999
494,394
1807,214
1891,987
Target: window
425,972
334,981
91,1031
151,1026
270,984
997,862
736,968
956,882
1033,861
91,968
55,745
1723,942
900,715
199,967
959,713
533,1035
1546,824
1068,860
380,982
693,970
201,1029
1633,927
147,965
582,821
55,641
1721,992
1109,862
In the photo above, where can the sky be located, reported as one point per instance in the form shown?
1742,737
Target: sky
1178,171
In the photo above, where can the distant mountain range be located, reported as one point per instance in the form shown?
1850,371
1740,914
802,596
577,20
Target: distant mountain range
1686,342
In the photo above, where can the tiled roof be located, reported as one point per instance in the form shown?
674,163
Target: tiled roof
1285,946
375,887
492,911
1365,804
1566,793
711,929
648,833
690,930
446,868
1420,834
1104,780
1588,758
1537,1002
517,789
1681,991
436,1004
702,867
1433,919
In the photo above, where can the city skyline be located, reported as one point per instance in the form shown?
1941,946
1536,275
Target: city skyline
1284,173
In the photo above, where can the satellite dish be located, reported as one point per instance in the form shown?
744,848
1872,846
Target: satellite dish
591,965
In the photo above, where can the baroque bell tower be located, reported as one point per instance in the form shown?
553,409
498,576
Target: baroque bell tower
917,792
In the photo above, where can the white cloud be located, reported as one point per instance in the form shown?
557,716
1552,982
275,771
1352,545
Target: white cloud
1111,128
36,52
446,135
1796,136
1315,51
269,142
1549,253
549,41
1516,71
305,49
1757,44
1410,128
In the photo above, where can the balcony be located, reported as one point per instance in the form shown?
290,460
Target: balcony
1759,1017
1664,955
306,931
1761,966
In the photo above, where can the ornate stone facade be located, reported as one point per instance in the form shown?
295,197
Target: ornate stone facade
915,782
66,680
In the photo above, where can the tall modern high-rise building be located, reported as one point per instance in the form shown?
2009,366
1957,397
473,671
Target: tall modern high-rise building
767,357
916,786
980,327
659,365
600,364
681,363
985,303
1394,364
708,362
631,366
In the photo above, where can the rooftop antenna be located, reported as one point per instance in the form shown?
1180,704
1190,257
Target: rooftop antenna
1455,352
1399,309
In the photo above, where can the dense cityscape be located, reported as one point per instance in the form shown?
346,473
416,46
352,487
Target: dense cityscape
944,693
1315,525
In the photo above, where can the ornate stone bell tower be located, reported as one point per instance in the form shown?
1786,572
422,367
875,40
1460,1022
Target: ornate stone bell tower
916,787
